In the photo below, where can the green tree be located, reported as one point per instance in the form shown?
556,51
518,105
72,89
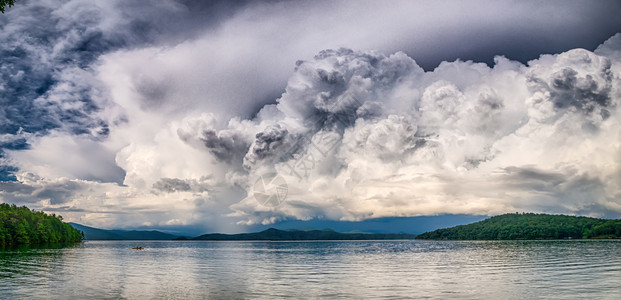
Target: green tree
21,235
6,3
20,225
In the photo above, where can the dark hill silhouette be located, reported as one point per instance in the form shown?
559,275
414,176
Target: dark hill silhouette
91,233
273,234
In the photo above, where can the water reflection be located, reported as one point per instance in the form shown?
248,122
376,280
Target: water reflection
344,269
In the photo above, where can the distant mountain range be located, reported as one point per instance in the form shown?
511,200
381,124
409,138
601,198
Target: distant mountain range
504,227
91,233
273,234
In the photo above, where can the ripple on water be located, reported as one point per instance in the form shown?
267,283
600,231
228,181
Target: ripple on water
334,269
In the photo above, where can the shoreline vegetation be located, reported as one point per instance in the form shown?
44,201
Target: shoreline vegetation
530,226
22,226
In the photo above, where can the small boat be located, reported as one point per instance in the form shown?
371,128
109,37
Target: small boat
137,248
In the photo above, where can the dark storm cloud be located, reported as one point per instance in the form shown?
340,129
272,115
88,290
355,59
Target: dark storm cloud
6,173
533,179
36,95
271,145
57,192
171,185
48,48
10,142
225,145
518,30
582,93
583,90
582,194
33,60
13,143
16,187
346,85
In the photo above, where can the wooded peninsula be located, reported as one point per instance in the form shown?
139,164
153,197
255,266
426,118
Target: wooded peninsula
529,226
22,226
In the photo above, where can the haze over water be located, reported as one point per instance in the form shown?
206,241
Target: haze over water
324,269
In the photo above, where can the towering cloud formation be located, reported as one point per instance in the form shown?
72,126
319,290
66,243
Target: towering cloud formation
465,138
118,113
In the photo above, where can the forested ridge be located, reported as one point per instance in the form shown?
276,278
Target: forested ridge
526,226
22,226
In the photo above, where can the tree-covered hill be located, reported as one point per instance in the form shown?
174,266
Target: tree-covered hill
528,226
22,226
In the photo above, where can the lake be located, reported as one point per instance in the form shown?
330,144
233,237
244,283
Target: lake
568,269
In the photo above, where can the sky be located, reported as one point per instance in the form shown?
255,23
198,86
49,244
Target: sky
228,116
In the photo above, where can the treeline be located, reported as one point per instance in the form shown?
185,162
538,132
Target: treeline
608,229
21,226
529,226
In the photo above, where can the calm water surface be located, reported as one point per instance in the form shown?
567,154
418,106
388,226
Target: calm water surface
335,269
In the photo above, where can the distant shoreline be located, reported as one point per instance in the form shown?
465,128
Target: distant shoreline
273,234
525,226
